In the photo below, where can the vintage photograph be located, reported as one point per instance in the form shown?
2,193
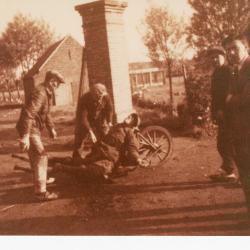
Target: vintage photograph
125,118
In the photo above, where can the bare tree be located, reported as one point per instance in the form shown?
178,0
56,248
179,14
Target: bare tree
165,39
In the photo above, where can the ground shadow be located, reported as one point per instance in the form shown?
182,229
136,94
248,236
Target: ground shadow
72,186
219,224
104,220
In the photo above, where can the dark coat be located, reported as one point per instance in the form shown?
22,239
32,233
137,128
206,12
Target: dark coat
239,104
220,82
91,113
35,115
118,145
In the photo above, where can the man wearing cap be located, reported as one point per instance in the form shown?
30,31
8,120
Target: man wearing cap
238,103
94,117
220,81
34,116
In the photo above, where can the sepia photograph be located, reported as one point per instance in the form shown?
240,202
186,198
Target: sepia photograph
125,118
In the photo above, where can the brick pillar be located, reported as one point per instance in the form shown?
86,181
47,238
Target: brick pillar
106,50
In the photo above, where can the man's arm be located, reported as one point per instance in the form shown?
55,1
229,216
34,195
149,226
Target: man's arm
50,126
132,146
84,120
241,100
31,109
28,115
213,101
109,110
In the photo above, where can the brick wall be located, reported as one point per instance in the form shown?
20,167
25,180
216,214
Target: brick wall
67,59
106,50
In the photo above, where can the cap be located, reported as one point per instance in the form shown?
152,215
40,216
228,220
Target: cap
98,89
54,74
135,119
216,51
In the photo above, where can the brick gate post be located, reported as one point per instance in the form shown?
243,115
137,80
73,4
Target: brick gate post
106,50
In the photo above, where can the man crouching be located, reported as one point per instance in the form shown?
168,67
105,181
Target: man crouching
119,147
35,115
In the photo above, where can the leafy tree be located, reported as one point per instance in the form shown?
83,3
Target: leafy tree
23,41
213,20
164,37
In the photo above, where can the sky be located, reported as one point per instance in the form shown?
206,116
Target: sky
64,20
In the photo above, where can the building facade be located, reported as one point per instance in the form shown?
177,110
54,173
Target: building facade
143,74
65,56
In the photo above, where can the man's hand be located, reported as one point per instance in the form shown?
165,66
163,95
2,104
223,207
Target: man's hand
92,136
229,98
25,143
143,163
53,133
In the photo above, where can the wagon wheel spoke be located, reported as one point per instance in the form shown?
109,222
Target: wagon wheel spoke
160,139
164,151
149,154
154,137
150,139
158,142
159,156
167,143
143,149
143,142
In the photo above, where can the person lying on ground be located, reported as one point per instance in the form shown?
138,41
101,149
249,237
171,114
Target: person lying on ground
119,147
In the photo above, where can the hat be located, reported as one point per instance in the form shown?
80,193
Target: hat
54,74
135,119
99,89
216,51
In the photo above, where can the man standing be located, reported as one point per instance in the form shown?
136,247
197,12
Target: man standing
94,117
35,115
220,82
238,103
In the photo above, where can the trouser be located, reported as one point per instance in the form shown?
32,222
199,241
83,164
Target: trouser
95,169
38,162
225,148
242,159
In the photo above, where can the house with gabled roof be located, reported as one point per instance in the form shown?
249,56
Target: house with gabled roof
65,56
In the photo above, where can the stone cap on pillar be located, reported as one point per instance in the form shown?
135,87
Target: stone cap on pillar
101,3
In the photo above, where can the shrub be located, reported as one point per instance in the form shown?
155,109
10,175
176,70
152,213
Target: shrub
143,103
198,90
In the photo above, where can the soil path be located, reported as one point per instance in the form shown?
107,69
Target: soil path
174,199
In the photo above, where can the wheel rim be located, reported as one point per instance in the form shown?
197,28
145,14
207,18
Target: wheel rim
156,145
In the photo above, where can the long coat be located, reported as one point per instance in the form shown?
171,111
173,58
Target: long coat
35,115
239,104
93,114
220,82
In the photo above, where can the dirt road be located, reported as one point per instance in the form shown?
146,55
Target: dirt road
175,199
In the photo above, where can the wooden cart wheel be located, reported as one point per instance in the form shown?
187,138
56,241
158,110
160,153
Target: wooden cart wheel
155,145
